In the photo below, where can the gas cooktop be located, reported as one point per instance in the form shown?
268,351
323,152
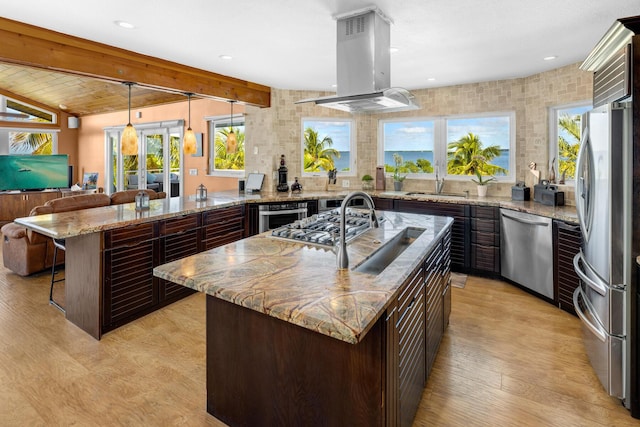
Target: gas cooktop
324,229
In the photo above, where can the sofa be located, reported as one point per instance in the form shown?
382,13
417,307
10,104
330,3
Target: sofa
26,252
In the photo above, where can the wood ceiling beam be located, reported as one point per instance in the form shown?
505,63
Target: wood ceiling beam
41,48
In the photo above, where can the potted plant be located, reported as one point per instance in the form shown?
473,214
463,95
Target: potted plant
482,183
367,182
397,178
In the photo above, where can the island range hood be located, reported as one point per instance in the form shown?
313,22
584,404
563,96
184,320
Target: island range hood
363,67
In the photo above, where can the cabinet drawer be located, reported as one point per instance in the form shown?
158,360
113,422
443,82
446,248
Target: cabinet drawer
485,258
129,236
222,216
179,224
486,239
485,225
223,239
487,212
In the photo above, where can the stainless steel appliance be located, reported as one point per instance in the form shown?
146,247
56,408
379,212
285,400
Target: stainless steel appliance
274,215
604,265
525,250
323,229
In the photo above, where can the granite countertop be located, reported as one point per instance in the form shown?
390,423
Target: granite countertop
75,223
300,284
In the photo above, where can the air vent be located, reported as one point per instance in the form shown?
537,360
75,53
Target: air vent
358,22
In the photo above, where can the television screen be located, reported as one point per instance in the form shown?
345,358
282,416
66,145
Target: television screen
33,172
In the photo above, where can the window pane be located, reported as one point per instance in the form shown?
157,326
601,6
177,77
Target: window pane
479,144
30,143
569,134
17,111
326,145
413,141
228,147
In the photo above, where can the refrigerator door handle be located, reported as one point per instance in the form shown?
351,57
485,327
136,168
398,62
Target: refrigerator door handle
582,188
597,330
596,284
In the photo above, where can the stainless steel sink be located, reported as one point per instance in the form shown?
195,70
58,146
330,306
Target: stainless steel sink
387,253
464,195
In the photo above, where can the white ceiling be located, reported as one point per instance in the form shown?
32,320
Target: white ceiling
291,44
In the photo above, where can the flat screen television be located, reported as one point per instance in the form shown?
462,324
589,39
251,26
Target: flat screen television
33,172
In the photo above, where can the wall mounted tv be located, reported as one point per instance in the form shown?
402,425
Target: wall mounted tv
33,172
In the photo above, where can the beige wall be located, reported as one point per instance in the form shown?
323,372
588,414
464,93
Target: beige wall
277,130
91,150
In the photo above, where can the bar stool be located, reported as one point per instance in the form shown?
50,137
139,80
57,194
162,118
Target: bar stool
57,244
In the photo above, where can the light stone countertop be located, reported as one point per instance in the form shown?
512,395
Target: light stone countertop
86,221
300,284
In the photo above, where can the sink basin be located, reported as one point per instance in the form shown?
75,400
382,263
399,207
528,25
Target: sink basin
388,252
422,193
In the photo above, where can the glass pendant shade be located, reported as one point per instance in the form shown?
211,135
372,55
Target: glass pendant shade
232,142
129,142
189,142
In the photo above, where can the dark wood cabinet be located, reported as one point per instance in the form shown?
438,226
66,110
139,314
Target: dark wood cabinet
459,231
179,238
19,205
222,226
383,204
567,239
485,240
130,253
129,288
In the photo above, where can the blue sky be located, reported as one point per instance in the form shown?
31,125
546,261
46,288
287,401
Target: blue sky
338,131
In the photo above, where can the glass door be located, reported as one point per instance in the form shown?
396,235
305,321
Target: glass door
160,169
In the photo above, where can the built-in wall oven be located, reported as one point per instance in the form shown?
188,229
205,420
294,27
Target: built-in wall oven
274,215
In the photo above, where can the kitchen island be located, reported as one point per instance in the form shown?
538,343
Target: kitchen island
292,340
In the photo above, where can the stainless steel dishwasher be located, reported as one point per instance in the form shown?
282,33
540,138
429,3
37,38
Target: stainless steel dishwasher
526,250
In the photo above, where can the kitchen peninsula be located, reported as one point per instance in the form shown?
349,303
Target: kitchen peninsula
292,340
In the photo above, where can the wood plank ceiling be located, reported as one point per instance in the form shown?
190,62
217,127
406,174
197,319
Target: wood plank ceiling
81,96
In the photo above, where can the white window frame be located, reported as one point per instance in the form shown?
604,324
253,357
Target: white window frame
238,120
436,131
553,133
352,172
440,144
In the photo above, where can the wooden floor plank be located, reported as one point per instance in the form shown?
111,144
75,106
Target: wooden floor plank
507,359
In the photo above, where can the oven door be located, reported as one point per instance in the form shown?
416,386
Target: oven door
270,219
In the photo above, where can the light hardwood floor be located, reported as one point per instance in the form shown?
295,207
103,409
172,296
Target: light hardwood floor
507,359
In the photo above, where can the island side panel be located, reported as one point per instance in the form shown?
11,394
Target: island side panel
264,371
83,282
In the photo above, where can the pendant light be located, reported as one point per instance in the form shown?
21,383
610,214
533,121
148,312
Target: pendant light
129,141
189,141
232,142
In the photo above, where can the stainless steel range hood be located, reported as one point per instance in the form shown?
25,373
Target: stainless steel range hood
363,67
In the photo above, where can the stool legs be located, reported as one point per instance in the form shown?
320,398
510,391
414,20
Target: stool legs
56,245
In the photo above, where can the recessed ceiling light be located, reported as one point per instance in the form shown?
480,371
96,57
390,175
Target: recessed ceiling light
124,24
431,79
393,49
62,107
226,57
549,58
334,85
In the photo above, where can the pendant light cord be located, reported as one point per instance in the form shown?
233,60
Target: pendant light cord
129,84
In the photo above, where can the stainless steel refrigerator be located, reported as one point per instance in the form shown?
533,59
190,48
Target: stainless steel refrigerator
604,265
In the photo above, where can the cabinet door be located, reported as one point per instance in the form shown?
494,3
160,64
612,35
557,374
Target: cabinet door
391,366
12,207
130,289
567,243
180,237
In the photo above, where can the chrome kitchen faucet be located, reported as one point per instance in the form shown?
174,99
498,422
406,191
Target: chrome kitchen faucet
342,257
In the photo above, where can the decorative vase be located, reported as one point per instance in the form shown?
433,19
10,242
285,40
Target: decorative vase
397,185
482,190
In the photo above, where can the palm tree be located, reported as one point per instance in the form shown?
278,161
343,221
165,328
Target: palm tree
318,155
37,143
568,152
466,156
225,160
